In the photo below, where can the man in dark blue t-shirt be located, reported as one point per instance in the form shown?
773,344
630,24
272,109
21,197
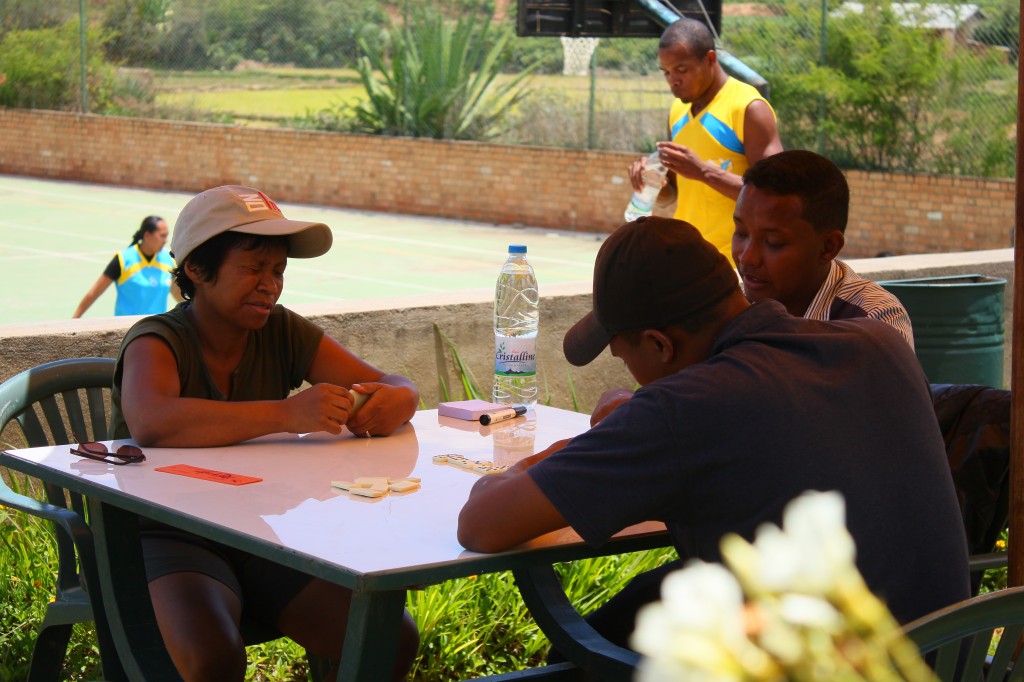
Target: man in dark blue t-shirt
742,407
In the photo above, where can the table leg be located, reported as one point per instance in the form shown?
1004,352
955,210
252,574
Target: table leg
371,639
126,593
568,631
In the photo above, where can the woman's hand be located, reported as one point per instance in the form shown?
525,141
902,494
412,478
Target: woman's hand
387,407
321,407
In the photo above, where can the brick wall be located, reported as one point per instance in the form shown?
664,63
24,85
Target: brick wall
905,213
537,186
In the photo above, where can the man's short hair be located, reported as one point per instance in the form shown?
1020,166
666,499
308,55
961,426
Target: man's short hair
690,32
818,182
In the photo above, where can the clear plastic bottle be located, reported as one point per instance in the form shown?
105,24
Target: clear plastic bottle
642,202
516,313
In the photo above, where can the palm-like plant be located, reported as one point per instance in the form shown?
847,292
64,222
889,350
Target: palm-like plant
436,78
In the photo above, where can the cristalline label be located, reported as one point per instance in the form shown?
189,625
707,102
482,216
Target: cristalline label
515,355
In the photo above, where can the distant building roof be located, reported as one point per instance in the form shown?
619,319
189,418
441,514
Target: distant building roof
939,16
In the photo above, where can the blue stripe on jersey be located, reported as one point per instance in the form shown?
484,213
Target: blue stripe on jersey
679,124
722,133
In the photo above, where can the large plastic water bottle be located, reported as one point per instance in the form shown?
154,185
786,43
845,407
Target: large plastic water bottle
516,313
642,202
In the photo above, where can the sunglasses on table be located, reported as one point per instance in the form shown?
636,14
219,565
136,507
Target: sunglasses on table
125,454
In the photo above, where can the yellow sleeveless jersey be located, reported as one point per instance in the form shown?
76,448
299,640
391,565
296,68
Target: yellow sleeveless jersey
716,135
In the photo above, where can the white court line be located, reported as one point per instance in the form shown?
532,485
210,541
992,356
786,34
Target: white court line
35,229
486,253
85,187
476,251
42,253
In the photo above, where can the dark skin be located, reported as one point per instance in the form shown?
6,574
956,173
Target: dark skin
778,253
199,616
649,355
224,310
696,80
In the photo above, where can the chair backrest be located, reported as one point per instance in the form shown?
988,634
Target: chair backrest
975,424
961,636
35,399
50,403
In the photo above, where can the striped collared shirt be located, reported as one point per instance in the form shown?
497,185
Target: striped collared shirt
845,295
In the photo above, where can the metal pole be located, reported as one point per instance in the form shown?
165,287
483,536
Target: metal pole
81,40
822,61
591,128
1015,576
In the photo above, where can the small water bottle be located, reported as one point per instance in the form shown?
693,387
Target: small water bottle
642,202
516,312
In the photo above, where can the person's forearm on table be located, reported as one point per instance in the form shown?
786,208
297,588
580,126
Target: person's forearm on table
505,510
195,422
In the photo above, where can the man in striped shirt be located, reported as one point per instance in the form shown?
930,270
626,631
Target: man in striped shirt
790,222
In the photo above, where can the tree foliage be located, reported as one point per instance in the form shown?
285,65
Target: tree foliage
40,69
890,94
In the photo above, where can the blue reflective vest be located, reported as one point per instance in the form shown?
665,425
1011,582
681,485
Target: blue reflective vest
144,285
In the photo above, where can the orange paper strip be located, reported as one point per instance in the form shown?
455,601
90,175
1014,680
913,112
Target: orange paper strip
208,474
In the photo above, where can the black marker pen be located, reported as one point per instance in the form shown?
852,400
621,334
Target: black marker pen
501,415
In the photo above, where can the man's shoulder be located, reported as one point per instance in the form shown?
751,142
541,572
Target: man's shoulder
866,293
174,321
741,92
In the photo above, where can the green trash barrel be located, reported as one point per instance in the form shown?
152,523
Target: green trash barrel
958,326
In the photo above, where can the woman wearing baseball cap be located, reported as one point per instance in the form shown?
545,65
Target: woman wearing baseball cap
218,369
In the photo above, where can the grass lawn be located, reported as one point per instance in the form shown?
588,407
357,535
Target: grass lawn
280,93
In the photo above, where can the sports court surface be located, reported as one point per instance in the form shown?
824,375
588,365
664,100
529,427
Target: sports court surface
56,238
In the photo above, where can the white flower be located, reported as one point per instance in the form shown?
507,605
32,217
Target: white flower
697,631
810,612
806,614
812,554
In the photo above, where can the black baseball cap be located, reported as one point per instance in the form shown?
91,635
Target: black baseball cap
649,273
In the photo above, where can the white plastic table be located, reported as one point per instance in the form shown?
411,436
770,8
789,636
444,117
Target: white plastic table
378,548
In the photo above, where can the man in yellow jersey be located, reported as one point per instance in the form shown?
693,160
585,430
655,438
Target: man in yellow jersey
718,127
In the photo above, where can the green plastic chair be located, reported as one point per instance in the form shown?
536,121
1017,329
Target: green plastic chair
961,635
49,403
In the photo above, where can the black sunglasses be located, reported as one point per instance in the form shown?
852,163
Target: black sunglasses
126,454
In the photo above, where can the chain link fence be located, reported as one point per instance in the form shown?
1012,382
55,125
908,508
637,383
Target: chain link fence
926,87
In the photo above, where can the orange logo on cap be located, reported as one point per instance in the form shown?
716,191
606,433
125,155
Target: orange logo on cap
259,202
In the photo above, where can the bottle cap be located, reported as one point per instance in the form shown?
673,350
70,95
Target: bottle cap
517,248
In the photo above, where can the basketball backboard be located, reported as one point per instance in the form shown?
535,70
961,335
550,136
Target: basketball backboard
610,18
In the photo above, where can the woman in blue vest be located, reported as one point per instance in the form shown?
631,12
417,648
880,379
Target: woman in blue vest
142,273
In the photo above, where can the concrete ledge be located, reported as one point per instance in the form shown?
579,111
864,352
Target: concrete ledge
411,334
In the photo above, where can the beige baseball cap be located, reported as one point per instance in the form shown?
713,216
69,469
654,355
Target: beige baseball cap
233,208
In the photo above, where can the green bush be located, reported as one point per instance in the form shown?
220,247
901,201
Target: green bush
28,554
218,34
135,28
895,97
41,69
21,15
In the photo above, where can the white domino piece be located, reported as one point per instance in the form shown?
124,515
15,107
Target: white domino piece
368,492
357,401
403,486
370,480
346,485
